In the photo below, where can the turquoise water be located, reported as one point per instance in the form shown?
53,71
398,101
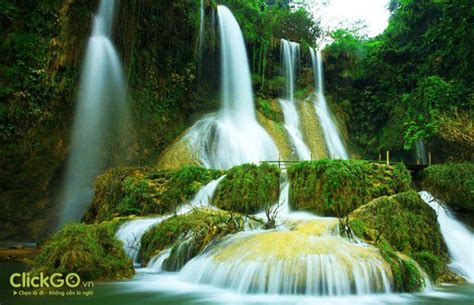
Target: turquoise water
149,288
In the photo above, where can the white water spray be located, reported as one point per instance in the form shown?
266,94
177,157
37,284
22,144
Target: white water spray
201,28
421,154
130,233
331,134
290,54
102,96
233,135
458,238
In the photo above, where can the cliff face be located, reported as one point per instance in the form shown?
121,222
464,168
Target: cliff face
44,43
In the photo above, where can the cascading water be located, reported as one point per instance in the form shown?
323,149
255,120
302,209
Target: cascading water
232,136
130,233
421,152
290,53
204,196
331,134
300,261
201,28
102,96
305,255
458,238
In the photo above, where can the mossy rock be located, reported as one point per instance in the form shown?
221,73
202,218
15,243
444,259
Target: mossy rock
189,234
452,183
406,274
408,225
278,133
337,187
248,188
404,220
92,251
144,191
311,129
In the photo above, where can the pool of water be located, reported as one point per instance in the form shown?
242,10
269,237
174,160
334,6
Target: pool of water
150,288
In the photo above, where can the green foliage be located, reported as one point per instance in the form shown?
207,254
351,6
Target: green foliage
430,263
336,187
406,275
187,235
248,188
403,220
431,96
401,82
37,75
453,183
269,110
141,191
88,250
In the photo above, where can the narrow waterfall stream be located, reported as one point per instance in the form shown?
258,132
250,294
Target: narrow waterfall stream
232,136
201,28
290,54
101,111
130,233
458,238
331,134
421,154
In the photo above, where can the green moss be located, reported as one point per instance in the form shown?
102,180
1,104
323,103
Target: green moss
336,187
430,263
88,250
248,188
453,183
270,109
187,235
141,191
403,220
406,275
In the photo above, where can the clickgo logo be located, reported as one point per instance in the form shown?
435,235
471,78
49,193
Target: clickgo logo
56,280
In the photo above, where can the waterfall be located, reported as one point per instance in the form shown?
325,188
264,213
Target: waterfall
201,28
458,238
101,112
232,136
130,233
331,134
291,262
204,196
290,53
421,152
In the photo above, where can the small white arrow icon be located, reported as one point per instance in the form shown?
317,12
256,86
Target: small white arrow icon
14,292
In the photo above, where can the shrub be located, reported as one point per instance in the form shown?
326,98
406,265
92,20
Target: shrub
248,188
88,250
141,191
453,183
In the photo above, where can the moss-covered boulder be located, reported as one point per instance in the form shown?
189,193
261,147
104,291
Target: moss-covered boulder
404,220
248,188
406,273
142,191
92,251
187,235
336,187
404,223
453,183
